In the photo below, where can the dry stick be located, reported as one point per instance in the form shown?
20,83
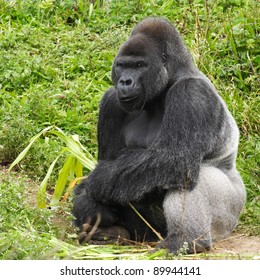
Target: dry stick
198,238
140,216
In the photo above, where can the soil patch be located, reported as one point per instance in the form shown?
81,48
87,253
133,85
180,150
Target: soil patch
238,245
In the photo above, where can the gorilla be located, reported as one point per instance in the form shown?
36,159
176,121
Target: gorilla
167,145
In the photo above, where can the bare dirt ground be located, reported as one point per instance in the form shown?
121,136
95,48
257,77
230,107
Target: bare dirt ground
238,245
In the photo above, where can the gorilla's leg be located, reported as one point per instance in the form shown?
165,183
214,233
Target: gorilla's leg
208,213
151,212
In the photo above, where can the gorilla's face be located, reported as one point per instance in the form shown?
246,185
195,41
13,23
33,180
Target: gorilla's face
139,73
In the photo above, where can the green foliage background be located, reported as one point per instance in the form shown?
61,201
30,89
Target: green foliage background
55,65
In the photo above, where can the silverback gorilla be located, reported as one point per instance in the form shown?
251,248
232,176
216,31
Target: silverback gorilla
167,144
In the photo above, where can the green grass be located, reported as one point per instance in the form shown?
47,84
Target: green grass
25,231
56,59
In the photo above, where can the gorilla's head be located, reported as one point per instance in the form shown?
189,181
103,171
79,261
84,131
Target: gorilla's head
148,63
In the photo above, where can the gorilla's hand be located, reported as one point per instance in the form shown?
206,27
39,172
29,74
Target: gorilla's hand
87,210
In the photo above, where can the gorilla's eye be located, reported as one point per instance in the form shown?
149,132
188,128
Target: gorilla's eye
119,64
139,64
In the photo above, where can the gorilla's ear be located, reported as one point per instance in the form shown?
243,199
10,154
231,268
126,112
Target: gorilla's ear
164,53
164,57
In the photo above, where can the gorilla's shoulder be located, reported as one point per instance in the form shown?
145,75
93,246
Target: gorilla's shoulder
109,97
197,84
110,93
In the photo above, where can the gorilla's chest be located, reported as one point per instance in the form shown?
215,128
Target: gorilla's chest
142,128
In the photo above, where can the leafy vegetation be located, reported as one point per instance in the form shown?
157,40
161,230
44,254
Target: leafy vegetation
73,165
56,59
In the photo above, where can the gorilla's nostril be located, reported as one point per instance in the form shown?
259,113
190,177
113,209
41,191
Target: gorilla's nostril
128,82
125,81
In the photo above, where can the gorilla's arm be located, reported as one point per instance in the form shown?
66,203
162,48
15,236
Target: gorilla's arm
193,120
110,140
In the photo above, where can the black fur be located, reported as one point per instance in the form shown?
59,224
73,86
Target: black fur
157,126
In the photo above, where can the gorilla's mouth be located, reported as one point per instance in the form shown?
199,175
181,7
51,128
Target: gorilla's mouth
126,99
131,103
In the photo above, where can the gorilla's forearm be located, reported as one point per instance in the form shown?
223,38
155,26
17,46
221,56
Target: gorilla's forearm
135,173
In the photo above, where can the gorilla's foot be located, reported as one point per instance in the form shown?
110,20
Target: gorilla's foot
93,235
177,245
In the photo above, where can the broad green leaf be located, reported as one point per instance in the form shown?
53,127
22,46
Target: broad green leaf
65,173
78,169
86,152
25,151
41,195
75,149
